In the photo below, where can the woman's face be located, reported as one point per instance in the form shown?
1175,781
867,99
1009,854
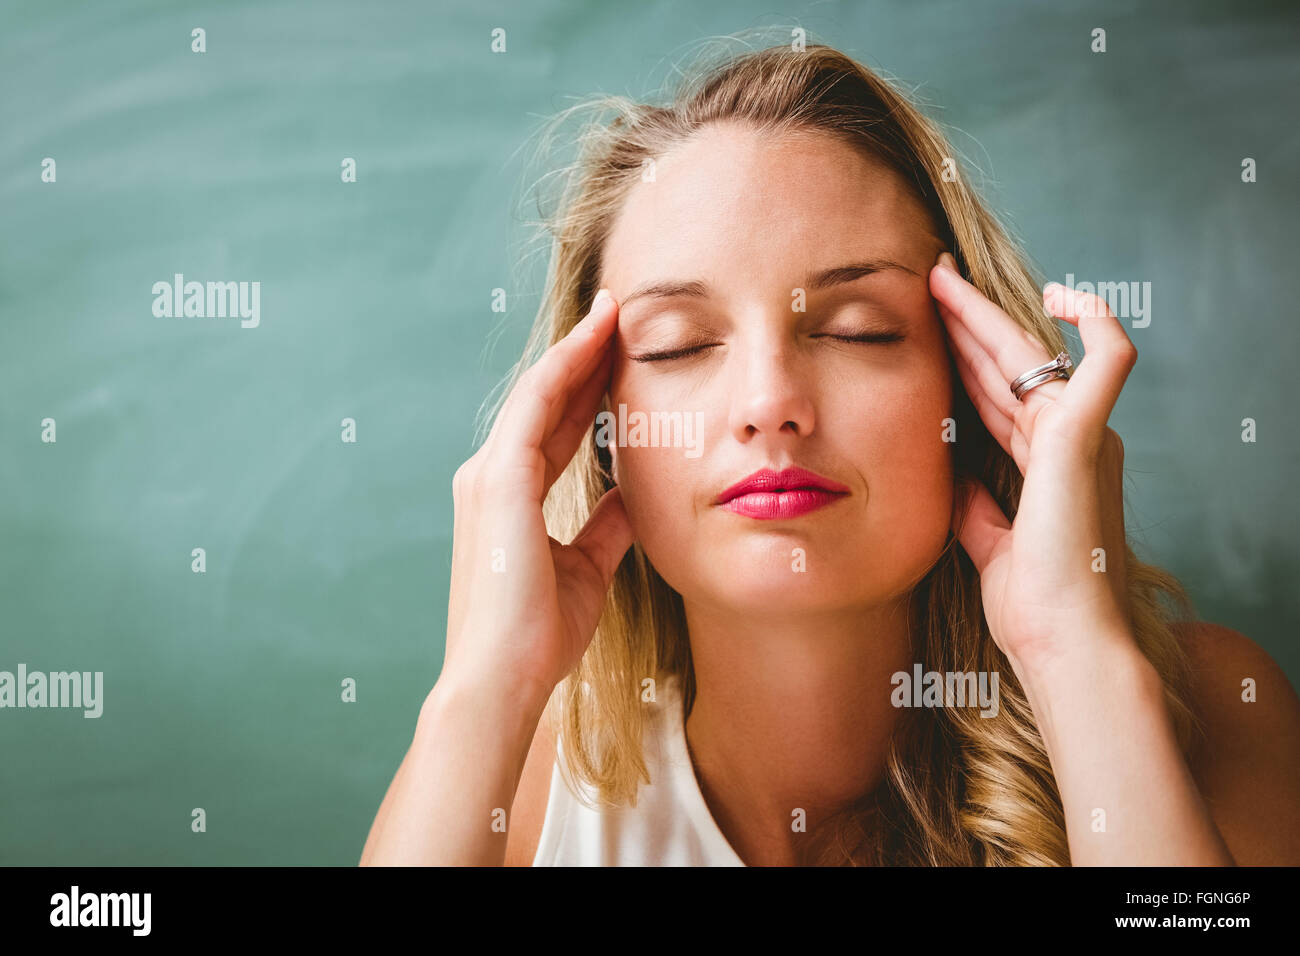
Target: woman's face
751,251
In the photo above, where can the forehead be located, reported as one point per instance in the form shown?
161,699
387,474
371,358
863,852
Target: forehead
735,200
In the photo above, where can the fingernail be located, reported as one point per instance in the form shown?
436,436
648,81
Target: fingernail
1050,293
588,322
947,261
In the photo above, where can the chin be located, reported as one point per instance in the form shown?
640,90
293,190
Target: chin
773,599
767,578
784,574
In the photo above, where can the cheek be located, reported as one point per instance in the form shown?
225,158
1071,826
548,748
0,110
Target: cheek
907,413
656,482
650,480
906,441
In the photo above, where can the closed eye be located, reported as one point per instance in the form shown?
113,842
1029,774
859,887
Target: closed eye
867,338
669,354
871,338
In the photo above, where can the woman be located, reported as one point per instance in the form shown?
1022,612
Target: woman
729,662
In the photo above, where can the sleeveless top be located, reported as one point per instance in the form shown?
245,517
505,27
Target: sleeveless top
670,825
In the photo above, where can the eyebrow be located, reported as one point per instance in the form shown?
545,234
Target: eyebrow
824,279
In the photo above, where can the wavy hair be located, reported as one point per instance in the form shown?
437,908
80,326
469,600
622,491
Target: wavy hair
959,789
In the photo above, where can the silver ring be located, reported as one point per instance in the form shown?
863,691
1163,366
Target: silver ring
1050,371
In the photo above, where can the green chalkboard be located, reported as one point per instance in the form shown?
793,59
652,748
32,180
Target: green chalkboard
325,559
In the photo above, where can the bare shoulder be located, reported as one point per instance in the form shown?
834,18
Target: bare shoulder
1247,761
528,813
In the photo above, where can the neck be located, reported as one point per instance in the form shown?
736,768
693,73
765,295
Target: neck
790,713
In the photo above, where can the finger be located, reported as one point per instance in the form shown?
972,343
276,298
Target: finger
1007,434
1109,354
1012,349
536,405
983,526
981,377
606,536
573,352
988,379
998,425
560,447
1009,421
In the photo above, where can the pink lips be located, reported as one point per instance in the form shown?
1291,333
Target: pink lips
788,493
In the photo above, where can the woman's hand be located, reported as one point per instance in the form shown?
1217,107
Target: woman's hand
523,607
1064,623
1042,579
522,611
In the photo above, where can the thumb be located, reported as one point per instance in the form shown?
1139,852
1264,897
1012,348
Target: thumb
978,522
607,535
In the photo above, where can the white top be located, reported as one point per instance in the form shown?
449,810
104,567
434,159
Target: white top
670,825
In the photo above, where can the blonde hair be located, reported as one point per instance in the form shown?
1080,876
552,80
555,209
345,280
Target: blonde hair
959,789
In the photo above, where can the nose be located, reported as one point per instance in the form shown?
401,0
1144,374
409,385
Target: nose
771,397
